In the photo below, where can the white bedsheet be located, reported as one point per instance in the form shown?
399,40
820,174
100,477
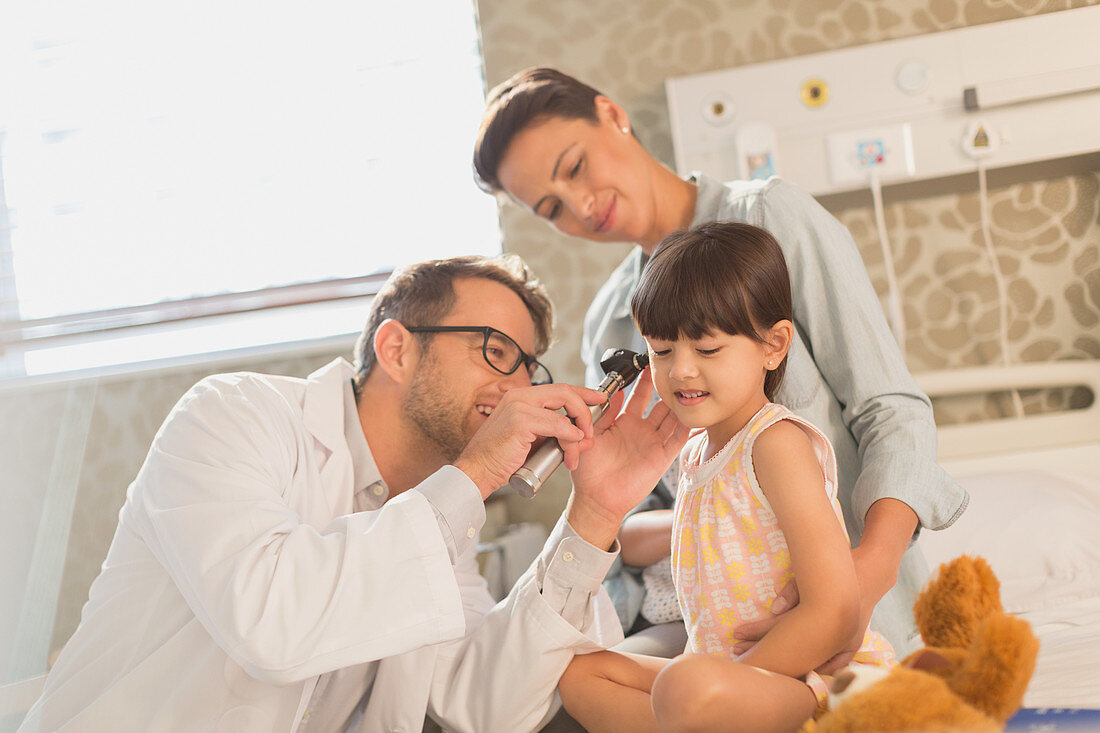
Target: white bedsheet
1067,673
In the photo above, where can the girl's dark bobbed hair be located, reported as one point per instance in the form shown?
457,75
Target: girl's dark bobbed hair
723,276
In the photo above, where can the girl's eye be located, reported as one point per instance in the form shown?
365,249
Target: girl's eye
554,211
576,168
709,352
662,352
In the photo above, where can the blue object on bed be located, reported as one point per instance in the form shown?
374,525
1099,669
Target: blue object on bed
1053,720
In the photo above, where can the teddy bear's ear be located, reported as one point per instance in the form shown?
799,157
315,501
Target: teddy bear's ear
952,604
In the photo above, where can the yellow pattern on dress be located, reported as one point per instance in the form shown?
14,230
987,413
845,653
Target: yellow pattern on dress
729,557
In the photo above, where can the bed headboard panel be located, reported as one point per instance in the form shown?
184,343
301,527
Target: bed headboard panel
1059,441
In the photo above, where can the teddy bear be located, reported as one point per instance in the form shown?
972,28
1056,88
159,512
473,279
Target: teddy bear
970,676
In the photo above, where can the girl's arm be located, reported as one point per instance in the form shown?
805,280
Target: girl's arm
827,614
646,537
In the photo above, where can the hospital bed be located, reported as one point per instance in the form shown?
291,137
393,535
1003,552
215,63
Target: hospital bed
1034,513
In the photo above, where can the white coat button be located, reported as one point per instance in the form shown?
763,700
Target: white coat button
567,556
471,532
378,490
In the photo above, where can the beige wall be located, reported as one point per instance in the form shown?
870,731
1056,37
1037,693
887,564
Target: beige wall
1046,230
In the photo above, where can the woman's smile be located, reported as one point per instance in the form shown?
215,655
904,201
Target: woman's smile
607,218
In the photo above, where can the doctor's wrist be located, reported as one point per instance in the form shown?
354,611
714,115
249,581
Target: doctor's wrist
592,523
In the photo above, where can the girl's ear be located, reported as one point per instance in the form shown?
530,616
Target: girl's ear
611,113
396,350
777,342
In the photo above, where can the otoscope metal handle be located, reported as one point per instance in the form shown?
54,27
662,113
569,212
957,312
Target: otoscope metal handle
622,367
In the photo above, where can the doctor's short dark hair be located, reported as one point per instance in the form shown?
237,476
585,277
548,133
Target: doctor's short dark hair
727,276
422,294
531,95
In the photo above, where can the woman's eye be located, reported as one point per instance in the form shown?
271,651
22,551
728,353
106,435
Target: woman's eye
576,168
494,351
553,212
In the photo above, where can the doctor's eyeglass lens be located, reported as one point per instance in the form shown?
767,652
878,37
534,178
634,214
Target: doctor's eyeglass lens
499,350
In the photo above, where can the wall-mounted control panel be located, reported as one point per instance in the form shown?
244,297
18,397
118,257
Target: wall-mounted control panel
1011,92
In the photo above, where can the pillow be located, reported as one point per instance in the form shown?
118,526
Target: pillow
1039,530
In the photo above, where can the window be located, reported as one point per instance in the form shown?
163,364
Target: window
165,161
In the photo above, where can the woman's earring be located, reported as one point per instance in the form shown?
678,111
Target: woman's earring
626,130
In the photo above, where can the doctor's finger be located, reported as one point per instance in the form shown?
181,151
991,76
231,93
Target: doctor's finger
643,389
658,414
679,437
672,431
571,453
607,419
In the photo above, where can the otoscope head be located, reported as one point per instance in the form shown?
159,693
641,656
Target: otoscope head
625,363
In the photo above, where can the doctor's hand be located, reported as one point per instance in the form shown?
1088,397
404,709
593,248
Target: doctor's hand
629,455
523,417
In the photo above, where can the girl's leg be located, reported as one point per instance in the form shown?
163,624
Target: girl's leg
609,691
699,692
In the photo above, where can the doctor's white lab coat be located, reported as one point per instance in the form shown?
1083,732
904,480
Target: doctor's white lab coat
238,574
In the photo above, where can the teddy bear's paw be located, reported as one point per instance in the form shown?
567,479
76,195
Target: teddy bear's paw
998,667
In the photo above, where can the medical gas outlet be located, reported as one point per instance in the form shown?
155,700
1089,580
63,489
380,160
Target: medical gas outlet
887,150
979,140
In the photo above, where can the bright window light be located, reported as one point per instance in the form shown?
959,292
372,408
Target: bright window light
155,150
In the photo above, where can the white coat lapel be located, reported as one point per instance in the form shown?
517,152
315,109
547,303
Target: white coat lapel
323,415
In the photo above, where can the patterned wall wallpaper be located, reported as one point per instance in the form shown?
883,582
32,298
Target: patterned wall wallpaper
1046,232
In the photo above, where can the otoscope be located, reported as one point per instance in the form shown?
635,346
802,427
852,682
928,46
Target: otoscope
622,368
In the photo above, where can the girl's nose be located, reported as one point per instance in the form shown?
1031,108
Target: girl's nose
682,368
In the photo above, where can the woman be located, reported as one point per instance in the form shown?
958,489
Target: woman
566,153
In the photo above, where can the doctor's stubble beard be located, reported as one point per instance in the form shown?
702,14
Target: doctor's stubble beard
436,414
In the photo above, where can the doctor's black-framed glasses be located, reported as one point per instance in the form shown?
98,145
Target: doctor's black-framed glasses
500,351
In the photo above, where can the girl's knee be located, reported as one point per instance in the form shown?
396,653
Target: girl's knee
687,689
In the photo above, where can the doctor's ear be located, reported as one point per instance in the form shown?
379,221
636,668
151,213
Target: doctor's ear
396,350
777,342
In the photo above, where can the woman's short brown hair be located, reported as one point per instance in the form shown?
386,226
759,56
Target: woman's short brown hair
422,294
531,95
729,277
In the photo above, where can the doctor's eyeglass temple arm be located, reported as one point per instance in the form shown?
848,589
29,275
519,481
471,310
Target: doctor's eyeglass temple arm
622,367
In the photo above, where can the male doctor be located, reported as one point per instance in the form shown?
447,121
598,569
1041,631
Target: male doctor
300,555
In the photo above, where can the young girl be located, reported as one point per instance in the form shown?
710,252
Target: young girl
756,505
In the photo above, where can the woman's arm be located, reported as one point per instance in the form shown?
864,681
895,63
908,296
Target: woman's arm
841,321
827,615
646,537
